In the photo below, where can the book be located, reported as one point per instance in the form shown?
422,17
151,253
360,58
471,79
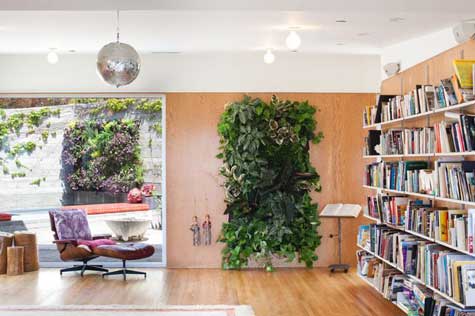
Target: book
451,97
341,210
463,70
372,141
468,284
457,89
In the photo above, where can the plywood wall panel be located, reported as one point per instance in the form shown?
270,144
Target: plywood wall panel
193,183
430,71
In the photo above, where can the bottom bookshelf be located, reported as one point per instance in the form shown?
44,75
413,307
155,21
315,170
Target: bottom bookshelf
403,309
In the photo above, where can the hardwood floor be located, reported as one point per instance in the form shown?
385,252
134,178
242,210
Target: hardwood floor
292,292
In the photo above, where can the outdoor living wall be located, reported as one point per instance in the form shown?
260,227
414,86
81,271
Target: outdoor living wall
57,151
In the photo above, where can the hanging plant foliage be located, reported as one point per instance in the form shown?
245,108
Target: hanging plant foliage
268,179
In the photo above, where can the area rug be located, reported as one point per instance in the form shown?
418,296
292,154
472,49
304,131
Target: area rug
123,310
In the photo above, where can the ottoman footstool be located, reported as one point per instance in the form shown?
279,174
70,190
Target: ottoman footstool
125,252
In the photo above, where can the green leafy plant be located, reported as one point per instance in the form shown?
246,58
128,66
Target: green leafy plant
44,136
18,175
268,179
157,128
27,147
149,106
36,182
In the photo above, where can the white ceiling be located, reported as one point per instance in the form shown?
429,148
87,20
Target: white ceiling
189,26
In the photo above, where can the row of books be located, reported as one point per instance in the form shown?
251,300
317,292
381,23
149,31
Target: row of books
386,208
452,226
454,134
451,272
409,295
410,176
424,98
453,179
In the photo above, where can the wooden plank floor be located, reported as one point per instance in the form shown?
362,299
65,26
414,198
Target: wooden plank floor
291,292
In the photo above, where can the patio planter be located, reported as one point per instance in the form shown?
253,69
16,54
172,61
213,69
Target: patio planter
92,197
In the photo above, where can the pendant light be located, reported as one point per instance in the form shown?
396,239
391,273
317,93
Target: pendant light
52,56
293,41
269,56
118,64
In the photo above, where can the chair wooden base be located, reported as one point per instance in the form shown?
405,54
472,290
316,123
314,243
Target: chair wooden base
124,271
83,268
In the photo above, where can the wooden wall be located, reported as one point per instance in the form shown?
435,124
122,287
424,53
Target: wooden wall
430,71
193,183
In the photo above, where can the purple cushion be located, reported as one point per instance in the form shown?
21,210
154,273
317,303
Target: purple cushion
72,224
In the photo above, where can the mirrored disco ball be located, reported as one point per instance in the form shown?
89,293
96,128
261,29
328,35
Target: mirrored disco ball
118,64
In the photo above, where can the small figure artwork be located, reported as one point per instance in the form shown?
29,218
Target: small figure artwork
207,230
195,228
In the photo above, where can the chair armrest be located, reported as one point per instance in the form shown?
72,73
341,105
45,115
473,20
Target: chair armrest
66,242
101,236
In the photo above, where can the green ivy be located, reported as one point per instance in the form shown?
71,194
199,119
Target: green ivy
37,182
44,136
149,106
28,147
18,175
146,106
268,180
157,128
20,165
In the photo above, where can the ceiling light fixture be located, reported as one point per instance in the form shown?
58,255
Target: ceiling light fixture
293,40
118,64
341,21
340,43
52,56
269,56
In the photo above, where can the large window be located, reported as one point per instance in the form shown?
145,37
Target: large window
103,155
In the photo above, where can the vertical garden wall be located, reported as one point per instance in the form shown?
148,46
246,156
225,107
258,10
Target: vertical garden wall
268,177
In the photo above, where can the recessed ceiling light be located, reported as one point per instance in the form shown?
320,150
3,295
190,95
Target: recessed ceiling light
340,43
396,19
362,34
72,51
341,21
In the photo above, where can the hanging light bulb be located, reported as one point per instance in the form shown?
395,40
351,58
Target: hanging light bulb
269,56
293,41
52,56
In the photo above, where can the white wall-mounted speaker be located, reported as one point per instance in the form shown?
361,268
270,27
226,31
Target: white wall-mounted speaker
464,31
392,69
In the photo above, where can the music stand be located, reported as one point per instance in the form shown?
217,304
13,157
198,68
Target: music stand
340,211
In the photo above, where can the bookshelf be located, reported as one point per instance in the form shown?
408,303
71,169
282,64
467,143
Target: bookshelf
374,287
392,134
453,154
421,195
462,106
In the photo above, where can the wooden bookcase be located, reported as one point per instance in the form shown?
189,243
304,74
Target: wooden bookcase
429,72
